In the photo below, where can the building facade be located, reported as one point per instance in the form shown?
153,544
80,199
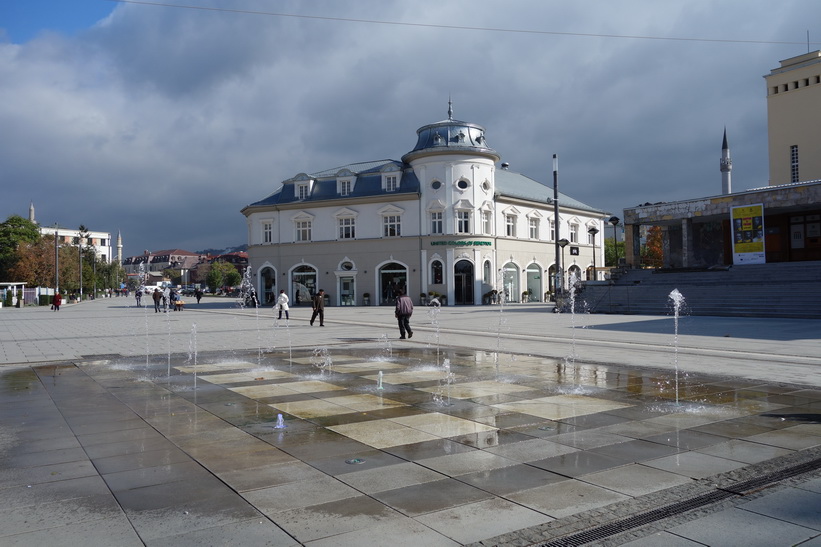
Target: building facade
698,232
441,222
99,241
793,119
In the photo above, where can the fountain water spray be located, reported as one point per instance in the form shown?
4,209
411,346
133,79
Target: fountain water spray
443,397
678,302
379,381
280,422
500,282
321,358
192,352
387,348
573,282
433,314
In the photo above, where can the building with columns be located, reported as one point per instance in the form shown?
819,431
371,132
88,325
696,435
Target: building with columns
699,232
446,219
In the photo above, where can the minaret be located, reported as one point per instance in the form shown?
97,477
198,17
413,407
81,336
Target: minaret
119,248
726,167
31,212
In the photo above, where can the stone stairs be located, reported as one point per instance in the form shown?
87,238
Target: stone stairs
784,289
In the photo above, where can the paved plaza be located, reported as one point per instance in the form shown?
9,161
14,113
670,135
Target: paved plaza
506,425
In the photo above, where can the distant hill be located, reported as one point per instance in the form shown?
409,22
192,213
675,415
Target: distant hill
237,249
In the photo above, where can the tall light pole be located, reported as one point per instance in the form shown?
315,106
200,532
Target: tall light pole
80,254
614,220
593,231
56,261
557,283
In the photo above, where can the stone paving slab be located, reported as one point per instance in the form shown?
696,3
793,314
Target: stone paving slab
162,463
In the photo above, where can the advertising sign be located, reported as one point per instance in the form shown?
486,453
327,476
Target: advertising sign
748,234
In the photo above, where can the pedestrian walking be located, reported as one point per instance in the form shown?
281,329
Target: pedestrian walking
139,296
318,304
403,312
157,296
56,300
282,305
198,294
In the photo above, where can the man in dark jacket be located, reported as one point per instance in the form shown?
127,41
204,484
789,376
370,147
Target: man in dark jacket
318,304
404,310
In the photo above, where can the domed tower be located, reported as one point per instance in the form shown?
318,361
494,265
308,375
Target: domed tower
455,167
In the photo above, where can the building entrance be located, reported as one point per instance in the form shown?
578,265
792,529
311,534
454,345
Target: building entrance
392,278
463,282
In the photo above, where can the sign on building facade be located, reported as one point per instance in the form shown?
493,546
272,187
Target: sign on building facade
748,234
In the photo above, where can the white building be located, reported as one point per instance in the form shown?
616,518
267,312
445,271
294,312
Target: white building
444,219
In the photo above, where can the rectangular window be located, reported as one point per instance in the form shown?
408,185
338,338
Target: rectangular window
794,163
574,233
303,230
344,187
267,232
390,183
391,226
347,228
487,222
591,238
534,228
462,222
302,191
510,225
436,225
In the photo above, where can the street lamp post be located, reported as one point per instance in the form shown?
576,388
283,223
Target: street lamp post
80,255
614,220
593,231
557,280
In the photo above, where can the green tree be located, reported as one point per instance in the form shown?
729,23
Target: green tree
35,262
612,252
14,231
652,252
222,274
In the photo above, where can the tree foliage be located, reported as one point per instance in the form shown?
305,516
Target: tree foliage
652,253
613,252
15,231
222,274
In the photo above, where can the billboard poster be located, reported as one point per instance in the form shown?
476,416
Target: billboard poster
748,234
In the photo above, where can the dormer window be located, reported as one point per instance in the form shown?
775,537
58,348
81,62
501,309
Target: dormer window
303,191
345,187
390,183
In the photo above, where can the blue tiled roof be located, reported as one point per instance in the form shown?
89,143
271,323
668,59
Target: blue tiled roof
368,183
520,186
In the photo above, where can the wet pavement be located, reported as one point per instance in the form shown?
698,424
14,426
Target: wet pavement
494,427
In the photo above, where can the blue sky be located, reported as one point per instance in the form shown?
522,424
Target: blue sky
24,19
164,122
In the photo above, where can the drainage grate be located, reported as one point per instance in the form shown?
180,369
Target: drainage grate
754,484
606,530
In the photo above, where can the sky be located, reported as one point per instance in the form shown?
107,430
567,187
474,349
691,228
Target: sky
162,120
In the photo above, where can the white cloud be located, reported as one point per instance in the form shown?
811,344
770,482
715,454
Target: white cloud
164,122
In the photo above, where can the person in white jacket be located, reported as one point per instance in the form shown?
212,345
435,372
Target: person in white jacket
282,304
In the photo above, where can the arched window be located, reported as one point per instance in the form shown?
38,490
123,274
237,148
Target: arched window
487,276
436,271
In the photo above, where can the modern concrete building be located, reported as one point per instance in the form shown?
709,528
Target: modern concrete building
698,232
444,219
794,118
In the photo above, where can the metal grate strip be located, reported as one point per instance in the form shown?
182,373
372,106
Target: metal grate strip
606,530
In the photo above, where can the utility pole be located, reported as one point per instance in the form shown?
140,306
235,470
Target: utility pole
557,283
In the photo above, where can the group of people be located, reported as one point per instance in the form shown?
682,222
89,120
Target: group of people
403,310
